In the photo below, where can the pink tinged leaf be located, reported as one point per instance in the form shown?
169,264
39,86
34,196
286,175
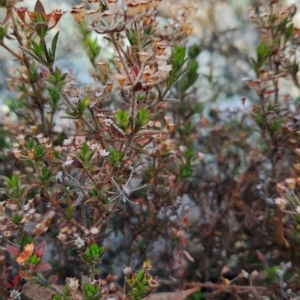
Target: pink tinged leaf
16,280
136,70
8,285
42,266
39,250
39,8
77,164
13,250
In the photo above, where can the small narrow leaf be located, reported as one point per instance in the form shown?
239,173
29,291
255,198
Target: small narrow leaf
31,54
42,266
13,250
54,44
39,250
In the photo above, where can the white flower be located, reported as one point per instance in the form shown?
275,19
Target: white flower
108,122
43,140
164,70
31,211
182,148
21,137
157,124
59,177
79,141
281,202
62,237
93,146
67,142
104,153
98,94
79,242
298,209
127,271
73,283
68,162
245,274
14,294
200,156
162,59
94,230
58,148
26,207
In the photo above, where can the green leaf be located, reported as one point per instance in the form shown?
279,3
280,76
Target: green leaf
282,25
39,152
25,240
54,44
262,54
57,78
122,119
132,37
185,171
260,51
191,76
289,31
85,148
3,31
93,253
54,95
13,183
142,118
69,211
82,105
177,62
17,218
31,54
115,157
140,276
46,176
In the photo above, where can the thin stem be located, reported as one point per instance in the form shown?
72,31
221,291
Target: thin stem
137,36
121,57
133,111
11,51
36,94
